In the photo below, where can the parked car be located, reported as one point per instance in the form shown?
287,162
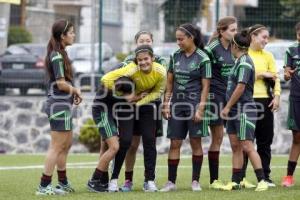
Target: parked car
278,48
80,56
23,67
165,50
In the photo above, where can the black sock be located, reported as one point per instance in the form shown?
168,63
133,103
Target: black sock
45,180
104,179
291,168
97,174
213,162
244,168
172,169
197,164
237,175
259,174
128,176
62,176
118,162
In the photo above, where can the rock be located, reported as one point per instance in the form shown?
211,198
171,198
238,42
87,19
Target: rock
34,133
8,124
23,119
4,107
21,137
24,105
41,121
41,145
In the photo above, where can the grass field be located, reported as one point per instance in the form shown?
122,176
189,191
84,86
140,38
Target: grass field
19,177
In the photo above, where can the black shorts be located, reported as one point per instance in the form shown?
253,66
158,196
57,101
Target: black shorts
242,124
145,120
293,121
59,114
216,103
157,118
104,113
181,123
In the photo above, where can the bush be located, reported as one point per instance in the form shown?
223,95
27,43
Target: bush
18,34
89,136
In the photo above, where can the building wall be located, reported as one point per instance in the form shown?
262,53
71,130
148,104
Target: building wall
39,22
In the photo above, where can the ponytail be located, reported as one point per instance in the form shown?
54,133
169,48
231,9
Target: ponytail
192,31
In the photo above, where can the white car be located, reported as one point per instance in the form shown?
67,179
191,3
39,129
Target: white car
81,58
278,48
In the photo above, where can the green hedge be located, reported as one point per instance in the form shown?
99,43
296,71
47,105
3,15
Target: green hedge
18,34
89,136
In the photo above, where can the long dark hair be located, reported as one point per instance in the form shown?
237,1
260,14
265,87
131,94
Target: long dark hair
60,27
192,31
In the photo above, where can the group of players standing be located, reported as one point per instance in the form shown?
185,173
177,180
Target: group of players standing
231,82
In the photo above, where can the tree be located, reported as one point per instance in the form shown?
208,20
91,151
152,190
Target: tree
177,12
270,13
292,9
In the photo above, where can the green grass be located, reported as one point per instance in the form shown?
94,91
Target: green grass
18,184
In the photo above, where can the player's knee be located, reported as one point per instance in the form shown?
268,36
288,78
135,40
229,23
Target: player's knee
235,147
175,145
114,148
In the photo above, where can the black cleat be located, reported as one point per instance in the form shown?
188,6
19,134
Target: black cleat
97,186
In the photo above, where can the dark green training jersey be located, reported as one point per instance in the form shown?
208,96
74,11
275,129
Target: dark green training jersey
222,61
292,59
242,72
188,73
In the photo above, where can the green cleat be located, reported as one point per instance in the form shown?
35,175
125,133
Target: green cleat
49,190
231,186
217,185
262,186
246,184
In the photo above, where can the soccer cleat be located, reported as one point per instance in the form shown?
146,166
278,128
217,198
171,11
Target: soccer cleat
196,186
65,187
246,184
150,186
97,186
49,190
217,185
288,181
270,183
127,187
262,186
231,186
169,186
113,185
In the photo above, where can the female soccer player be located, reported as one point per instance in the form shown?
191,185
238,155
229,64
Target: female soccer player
266,97
292,72
222,61
240,111
141,38
62,94
147,76
187,90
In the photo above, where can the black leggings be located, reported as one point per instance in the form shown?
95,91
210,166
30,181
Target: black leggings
144,122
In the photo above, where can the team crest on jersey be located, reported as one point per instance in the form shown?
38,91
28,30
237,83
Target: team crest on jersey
220,58
295,56
192,65
177,63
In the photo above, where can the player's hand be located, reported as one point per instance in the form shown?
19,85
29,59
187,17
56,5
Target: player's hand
166,111
198,115
224,113
275,104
